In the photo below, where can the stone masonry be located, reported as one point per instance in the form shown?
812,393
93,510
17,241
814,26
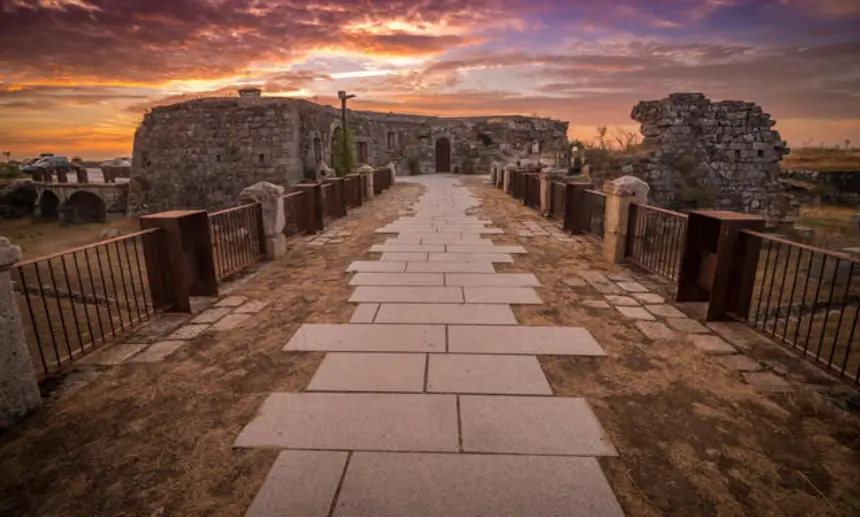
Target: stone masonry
702,154
200,154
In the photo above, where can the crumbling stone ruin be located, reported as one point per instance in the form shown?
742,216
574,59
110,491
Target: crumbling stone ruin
702,154
202,153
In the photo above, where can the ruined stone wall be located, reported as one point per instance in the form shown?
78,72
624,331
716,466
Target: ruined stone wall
202,153
702,154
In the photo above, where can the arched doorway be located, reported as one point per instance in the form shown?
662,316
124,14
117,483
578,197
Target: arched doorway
443,155
48,205
88,207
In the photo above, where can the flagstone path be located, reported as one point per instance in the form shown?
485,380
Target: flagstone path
431,401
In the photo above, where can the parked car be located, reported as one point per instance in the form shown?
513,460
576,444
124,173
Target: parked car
57,162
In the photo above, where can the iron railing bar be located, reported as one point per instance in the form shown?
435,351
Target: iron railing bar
827,311
72,302
95,296
104,290
803,298
779,296
33,319
770,289
147,302
124,286
814,304
131,277
84,296
82,248
47,314
841,311
763,282
791,296
60,309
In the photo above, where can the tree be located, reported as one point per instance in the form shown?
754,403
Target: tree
847,143
601,136
343,160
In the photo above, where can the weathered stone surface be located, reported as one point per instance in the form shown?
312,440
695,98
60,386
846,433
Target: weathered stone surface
447,313
531,425
230,322
354,421
252,307
470,257
157,352
621,300
635,313
687,325
474,485
270,197
403,279
655,330
711,344
487,374
188,332
595,304
407,248
480,248
300,484
494,280
330,337
633,287
231,301
649,298
398,294
112,354
403,257
370,372
522,339
376,266
575,282
739,362
450,267
767,382
667,311
212,315
364,313
600,282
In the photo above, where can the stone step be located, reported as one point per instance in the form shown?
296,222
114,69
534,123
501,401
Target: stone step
474,485
354,421
470,257
446,313
486,374
513,295
413,279
349,337
495,280
450,267
400,294
506,339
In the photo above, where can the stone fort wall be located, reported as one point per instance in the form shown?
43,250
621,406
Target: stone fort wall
202,153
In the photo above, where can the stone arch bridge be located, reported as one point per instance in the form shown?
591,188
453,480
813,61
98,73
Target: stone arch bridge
81,202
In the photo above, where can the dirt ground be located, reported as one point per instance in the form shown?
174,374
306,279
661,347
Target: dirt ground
38,237
694,440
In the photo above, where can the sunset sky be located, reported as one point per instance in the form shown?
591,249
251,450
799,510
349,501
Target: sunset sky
77,75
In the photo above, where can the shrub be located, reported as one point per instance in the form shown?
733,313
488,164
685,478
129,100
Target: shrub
343,159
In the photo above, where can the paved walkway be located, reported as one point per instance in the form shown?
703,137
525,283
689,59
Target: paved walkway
431,401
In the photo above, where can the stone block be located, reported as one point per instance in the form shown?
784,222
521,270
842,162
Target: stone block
649,298
687,326
470,257
615,299
330,337
188,332
739,362
767,382
212,315
531,425
403,257
633,287
522,339
450,267
512,295
364,313
252,307
711,345
398,279
474,485
595,304
486,374
375,266
400,294
407,248
370,372
231,301
354,421
112,354
600,283
655,330
575,282
157,352
635,313
667,311
480,248
446,313
494,280
230,322
300,484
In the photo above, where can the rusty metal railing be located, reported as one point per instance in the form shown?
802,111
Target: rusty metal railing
655,239
556,199
531,195
238,239
74,301
593,213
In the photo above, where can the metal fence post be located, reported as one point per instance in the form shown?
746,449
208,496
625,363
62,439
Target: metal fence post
19,389
313,193
574,204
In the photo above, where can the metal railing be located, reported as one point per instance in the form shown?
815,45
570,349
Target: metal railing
238,239
655,239
295,213
593,213
531,196
808,299
76,300
557,199
352,190
328,200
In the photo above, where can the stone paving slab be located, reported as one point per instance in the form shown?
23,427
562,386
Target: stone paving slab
655,330
711,345
503,339
339,337
112,355
531,425
667,311
649,298
633,287
446,313
300,484
615,299
370,372
486,231
470,257
514,295
230,322
407,248
687,325
403,257
354,421
495,280
231,301
469,248
400,294
375,266
486,374
188,332
635,313
474,485
157,352
450,267
212,315
767,382
600,282
252,307
739,363
364,313
407,279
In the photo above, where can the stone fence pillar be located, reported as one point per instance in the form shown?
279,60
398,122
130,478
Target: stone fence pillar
619,195
393,170
19,390
546,179
507,175
270,197
367,172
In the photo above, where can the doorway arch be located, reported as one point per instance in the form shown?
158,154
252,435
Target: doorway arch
443,155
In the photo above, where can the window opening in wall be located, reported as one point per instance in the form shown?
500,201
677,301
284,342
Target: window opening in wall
362,152
737,155
761,153
262,158
391,139
218,158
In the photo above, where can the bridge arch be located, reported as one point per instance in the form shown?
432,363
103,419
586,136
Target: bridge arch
49,204
89,207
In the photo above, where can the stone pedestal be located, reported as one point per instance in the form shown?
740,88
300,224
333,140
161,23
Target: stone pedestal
367,172
619,195
546,179
393,169
19,391
270,196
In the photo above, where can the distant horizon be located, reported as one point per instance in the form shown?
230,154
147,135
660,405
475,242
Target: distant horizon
580,61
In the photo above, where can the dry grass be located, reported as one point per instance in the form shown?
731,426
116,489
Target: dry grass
38,237
822,159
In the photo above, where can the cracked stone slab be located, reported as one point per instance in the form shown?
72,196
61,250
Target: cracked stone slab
446,313
312,478
649,298
471,257
251,307
635,313
522,339
212,315
370,372
230,322
619,277
188,332
400,294
600,283
687,326
375,266
767,382
633,287
667,311
512,295
596,304
354,421
494,280
615,299
711,345
157,352
450,267
486,374
364,313
739,363
231,301
112,355
655,330
334,337
474,485
531,425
